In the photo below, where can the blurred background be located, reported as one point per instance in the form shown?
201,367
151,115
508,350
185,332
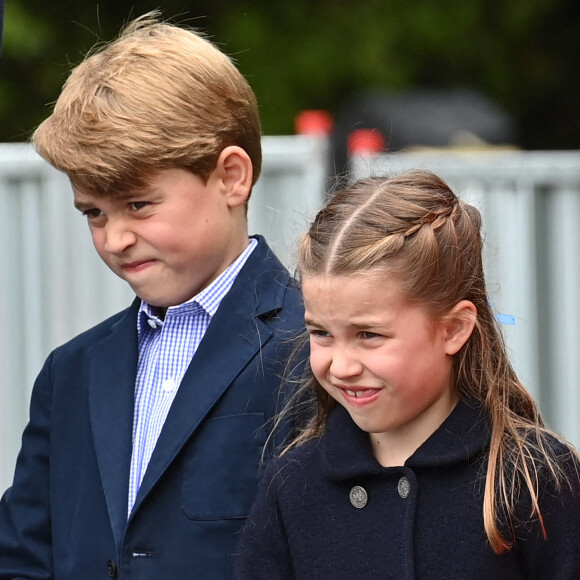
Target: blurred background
522,55
485,93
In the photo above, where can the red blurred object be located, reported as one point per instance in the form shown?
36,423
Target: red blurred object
365,141
314,122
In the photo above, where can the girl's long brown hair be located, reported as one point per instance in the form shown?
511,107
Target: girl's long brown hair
415,227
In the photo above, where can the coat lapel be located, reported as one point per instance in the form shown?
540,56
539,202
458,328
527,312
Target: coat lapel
234,337
112,371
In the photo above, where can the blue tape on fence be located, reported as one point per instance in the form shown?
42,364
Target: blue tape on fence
506,319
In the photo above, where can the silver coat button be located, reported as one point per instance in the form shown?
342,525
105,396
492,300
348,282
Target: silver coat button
403,487
358,496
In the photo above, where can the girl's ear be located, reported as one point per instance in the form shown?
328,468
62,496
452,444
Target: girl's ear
234,170
458,325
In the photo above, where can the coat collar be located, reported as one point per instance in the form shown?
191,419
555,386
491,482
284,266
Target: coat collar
346,451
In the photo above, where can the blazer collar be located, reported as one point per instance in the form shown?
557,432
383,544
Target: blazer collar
346,451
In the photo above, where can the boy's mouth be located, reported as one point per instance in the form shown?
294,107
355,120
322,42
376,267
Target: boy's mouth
136,266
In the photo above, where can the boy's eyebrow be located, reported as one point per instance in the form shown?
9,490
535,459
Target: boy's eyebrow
310,322
144,191
121,196
83,205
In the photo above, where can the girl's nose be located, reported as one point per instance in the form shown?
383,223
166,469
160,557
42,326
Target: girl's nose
344,364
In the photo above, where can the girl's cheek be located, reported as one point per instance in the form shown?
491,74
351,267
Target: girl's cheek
318,366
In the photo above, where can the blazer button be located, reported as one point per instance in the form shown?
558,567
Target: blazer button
403,487
358,496
112,569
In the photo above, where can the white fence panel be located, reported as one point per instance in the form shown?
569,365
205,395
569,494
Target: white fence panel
53,285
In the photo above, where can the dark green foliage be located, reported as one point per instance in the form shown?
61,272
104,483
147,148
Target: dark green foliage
308,54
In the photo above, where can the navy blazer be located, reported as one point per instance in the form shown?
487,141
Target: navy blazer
328,510
65,517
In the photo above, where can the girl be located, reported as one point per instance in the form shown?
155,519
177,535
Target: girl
426,458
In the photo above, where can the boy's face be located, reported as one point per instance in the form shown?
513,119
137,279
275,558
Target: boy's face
169,241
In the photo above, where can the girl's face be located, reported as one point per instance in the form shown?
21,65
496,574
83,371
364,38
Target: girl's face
382,357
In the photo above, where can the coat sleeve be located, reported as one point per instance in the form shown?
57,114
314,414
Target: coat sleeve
25,523
263,551
558,556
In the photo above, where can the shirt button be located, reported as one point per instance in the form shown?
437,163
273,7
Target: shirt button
112,569
358,497
152,323
168,385
403,487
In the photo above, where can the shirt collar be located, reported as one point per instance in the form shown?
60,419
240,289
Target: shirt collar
346,450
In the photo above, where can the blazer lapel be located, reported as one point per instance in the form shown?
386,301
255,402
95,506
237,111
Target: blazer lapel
112,371
233,338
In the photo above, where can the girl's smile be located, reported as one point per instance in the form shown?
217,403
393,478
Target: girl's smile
384,358
359,396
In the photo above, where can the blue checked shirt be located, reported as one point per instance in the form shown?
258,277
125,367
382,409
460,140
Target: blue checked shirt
166,348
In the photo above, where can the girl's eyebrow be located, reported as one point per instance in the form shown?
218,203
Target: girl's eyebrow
355,325
371,324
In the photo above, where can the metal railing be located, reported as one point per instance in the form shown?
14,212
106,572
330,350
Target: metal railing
53,285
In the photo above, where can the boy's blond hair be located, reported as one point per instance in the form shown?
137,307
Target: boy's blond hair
159,96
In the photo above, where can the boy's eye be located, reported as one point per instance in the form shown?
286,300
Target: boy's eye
92,213
366,334
137,205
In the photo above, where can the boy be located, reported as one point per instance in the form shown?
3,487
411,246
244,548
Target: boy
142,453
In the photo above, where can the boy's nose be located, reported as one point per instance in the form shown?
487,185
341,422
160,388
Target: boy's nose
118,237
344,365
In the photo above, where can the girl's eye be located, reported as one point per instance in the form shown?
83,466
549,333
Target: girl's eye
318,332
137,205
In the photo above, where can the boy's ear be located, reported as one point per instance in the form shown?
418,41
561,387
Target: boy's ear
458,325
234,170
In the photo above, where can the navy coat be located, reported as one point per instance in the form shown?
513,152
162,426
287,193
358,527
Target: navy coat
423,520
65,517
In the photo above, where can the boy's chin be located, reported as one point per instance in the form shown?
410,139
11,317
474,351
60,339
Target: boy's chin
161,302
